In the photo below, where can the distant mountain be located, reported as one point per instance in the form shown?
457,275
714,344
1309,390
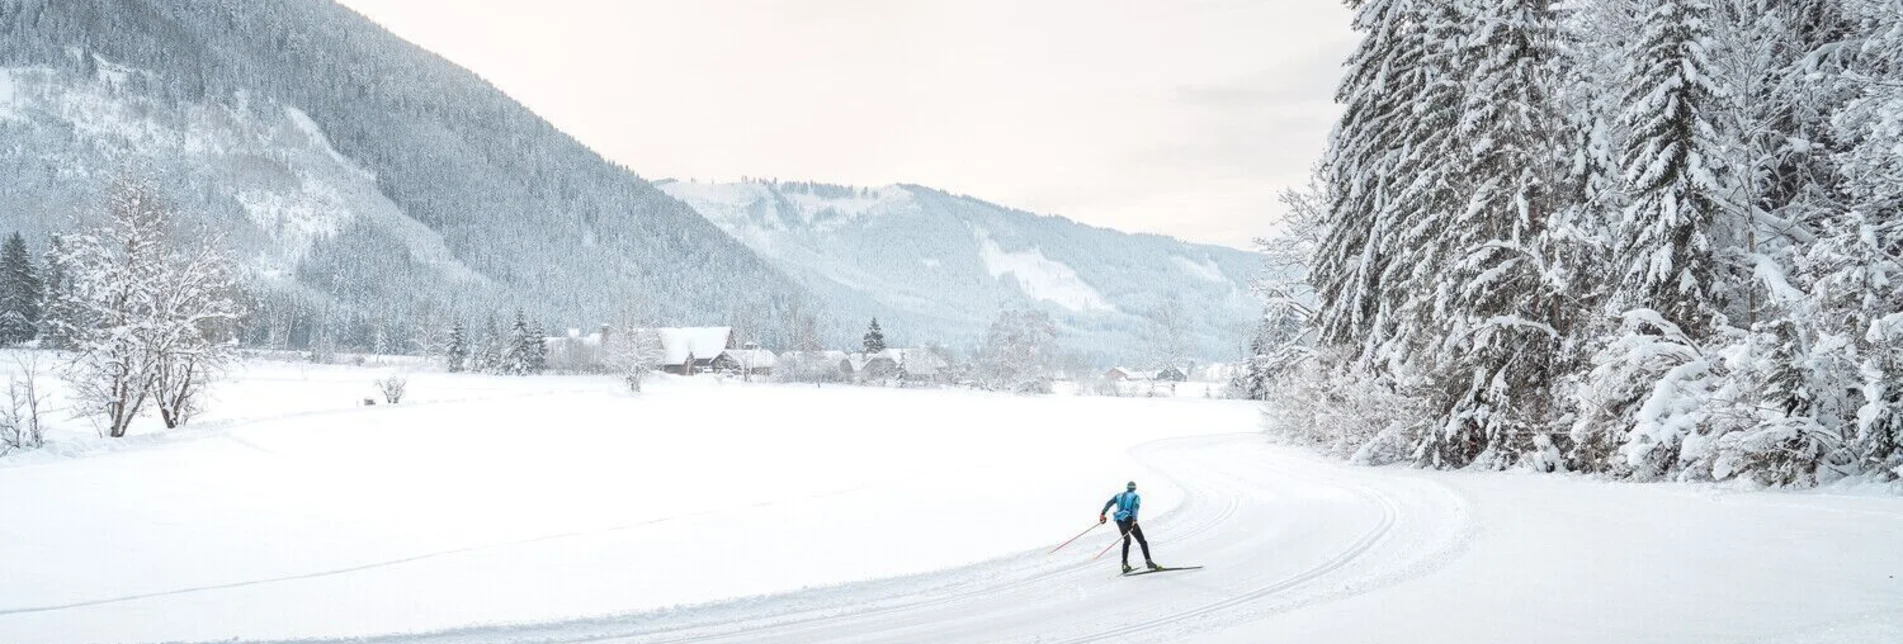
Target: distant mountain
364,180
939,267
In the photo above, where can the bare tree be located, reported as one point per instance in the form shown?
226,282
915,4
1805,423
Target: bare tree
20,426
194,310
393,388
634,354
149,320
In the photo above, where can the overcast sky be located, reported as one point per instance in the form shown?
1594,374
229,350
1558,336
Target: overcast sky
1182,117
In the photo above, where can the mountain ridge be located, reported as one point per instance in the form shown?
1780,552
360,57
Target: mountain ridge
946,263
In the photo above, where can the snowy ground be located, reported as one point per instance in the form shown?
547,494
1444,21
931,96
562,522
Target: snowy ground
558,509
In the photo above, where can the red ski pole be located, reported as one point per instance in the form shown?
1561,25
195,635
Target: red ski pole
1113,544
1080,535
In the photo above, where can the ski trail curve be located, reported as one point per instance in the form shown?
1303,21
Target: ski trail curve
1277,529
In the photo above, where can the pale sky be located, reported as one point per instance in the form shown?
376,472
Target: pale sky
1181,117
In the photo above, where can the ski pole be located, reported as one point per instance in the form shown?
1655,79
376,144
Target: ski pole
1080,535
1113,544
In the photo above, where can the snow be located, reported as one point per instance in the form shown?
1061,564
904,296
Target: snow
524,499
1039,277
509,509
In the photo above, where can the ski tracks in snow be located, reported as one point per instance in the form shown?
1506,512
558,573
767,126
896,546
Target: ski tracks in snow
1278,529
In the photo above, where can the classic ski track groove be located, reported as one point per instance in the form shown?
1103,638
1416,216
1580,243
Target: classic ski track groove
1366,542
1361,546
767,624
840,606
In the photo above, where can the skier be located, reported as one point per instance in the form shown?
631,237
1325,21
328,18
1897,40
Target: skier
1127,504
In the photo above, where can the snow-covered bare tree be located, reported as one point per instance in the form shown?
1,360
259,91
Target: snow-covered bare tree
148,312
1019,351
634,353
21,424
194,310
1166,335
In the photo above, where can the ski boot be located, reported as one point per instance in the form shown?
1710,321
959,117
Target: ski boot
1152,565
1127,569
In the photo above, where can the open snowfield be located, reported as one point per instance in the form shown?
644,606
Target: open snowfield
560,509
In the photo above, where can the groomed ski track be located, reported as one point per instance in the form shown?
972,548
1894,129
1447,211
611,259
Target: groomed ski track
1276,529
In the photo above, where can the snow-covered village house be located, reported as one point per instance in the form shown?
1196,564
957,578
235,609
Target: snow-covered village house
748,362
908,365
687,351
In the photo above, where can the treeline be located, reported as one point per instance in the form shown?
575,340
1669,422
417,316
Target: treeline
1653,240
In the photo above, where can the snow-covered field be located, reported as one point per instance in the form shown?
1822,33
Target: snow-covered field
560,509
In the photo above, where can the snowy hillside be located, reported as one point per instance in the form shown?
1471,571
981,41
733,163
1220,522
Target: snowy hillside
938,267
360,175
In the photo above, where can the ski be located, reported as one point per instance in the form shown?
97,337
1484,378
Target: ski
1134,573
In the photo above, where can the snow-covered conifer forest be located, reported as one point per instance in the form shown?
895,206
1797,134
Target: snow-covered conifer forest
1654,240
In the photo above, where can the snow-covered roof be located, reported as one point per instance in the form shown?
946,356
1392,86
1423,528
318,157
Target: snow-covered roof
917,362
754,358
703,343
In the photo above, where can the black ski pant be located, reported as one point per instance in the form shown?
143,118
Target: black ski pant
1131,529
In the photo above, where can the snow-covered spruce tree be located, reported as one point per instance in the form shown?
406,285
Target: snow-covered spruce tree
1672,166
456,352
1857,263
1670,238
1501,299
488,354
20,293
1780,442
874,342
145,312
1390,174
518,348
537,350
56,303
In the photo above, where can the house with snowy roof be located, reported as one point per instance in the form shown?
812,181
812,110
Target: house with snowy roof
912,365
814,366
751,361
686,351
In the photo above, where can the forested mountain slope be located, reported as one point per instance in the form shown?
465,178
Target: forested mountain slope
938,267
366,182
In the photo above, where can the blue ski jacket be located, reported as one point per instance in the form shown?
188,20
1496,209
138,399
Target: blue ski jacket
1127,504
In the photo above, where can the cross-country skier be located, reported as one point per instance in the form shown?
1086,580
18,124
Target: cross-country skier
1127,504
